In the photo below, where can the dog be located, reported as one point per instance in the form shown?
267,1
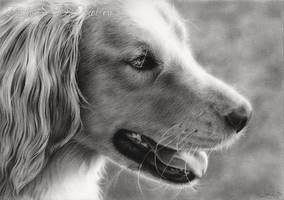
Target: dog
86,83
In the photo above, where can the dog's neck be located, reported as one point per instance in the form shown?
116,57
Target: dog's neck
72,173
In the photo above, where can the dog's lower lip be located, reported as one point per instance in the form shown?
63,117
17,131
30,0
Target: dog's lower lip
159,160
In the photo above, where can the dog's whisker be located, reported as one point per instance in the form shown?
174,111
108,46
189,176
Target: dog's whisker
167,165
163,138
159,142
139,173
115,178
185,139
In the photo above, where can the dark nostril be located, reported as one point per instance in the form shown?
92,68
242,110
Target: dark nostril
238,120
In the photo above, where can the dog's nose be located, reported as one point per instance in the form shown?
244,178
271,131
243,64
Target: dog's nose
239,117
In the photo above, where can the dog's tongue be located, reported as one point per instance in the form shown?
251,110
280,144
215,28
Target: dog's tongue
193,161
196,161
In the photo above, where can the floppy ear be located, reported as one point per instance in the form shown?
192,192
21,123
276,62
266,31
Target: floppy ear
39,97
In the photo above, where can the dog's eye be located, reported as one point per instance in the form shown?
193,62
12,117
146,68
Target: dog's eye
145,61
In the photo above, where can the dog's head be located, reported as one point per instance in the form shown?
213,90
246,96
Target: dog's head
149,99
121,69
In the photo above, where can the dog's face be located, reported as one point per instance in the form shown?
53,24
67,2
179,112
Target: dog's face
150,105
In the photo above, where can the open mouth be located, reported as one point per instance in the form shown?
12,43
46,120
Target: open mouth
161,161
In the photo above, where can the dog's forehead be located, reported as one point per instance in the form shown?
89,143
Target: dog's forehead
153,22
149,21
157,19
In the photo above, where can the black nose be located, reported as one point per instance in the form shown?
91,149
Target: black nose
239,118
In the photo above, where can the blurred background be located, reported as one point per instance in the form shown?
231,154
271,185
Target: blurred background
240,42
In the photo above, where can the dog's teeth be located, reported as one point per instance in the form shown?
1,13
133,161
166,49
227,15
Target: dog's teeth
138,139
136,136
144,144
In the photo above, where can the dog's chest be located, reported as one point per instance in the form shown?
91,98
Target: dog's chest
81,185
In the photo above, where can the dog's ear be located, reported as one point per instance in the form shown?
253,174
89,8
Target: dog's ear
39,96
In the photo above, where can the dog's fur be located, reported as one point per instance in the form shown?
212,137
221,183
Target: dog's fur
65,89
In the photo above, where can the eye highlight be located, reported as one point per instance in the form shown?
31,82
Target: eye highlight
145,61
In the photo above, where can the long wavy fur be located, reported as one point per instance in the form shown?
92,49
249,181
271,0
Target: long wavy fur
39,96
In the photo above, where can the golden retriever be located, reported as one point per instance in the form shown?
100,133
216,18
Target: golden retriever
82,83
